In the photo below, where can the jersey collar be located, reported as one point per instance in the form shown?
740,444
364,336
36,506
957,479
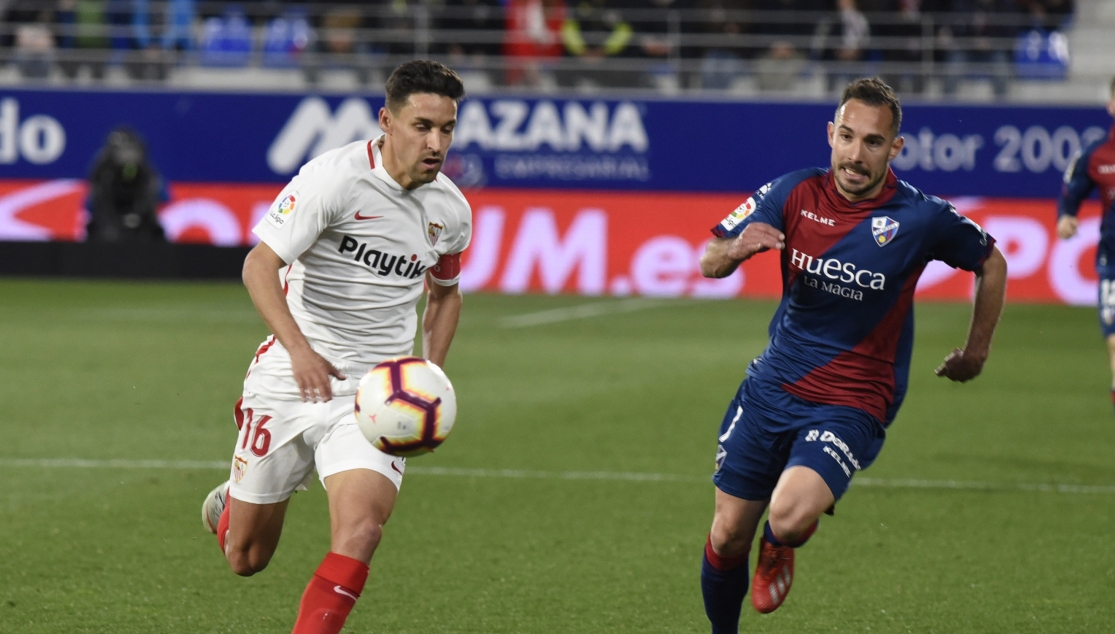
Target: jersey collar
375,161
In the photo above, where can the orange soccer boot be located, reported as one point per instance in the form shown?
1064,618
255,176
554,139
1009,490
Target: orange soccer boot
774,574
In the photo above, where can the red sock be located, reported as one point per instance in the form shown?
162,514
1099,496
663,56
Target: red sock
222,526
768,533
722,564
330,595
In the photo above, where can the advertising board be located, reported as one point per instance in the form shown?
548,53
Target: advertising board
560,143
596,243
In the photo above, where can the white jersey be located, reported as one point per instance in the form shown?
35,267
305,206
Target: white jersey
358,246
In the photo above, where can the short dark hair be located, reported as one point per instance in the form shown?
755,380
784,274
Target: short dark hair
874,92
422,75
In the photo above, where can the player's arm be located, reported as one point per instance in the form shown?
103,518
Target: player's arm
1076,188
723,255
1067,226
964,364
443,307
439,321
311,370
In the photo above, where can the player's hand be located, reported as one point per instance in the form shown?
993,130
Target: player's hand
961,366
312,372
756,238
1066,226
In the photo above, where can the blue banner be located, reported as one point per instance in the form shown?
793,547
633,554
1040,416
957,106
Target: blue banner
512,142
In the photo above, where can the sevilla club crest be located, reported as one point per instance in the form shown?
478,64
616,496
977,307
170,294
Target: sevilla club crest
884,229
434,231
239,468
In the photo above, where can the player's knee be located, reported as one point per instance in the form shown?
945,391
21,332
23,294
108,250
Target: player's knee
361,537
791,522
248,561
729,539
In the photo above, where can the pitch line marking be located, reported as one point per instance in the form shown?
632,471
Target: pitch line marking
54,463
584,311
523,474
1042,487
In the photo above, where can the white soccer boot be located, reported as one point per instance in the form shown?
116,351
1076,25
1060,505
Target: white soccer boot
213,506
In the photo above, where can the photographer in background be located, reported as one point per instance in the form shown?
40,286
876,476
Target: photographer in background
124,190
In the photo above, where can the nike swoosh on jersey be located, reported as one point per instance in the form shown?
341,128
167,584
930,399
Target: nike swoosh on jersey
359,217
340,590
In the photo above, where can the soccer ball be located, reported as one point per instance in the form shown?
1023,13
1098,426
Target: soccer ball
405,406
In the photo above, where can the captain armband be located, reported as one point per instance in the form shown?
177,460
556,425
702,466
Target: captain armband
447,271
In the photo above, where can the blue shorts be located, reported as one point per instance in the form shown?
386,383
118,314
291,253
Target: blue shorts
1107,299
767,430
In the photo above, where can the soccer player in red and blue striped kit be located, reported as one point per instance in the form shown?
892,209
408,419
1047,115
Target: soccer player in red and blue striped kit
815,406
1095,167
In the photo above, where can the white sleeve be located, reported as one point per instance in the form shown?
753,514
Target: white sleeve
300,213
447,270
463,236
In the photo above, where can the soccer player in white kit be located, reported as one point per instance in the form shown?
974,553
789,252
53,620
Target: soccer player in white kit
344,254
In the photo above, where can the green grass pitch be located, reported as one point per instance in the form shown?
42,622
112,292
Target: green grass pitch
991,508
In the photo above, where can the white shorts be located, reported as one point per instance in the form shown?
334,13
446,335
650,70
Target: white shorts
283,439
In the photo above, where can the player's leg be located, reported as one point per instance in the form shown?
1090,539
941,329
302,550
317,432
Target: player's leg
798,501
1111,355
252,535
249,540
734,524
822,460
259,493
724,571
270,461
360,502
1107,315
362,483
749,460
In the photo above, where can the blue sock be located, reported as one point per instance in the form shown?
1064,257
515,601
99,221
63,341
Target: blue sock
768,535
724,584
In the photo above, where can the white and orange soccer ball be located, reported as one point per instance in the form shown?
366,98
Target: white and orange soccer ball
405,406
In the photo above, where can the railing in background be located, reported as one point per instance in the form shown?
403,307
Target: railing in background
665,50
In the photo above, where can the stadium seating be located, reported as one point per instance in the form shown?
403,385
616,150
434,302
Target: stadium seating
286,38
1040,54
226,39
176,20
675,47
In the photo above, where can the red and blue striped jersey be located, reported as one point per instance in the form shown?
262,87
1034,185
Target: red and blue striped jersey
1093,167
843,333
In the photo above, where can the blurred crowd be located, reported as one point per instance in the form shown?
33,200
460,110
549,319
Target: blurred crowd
708,44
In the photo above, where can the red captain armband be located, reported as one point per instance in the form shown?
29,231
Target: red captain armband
448,268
